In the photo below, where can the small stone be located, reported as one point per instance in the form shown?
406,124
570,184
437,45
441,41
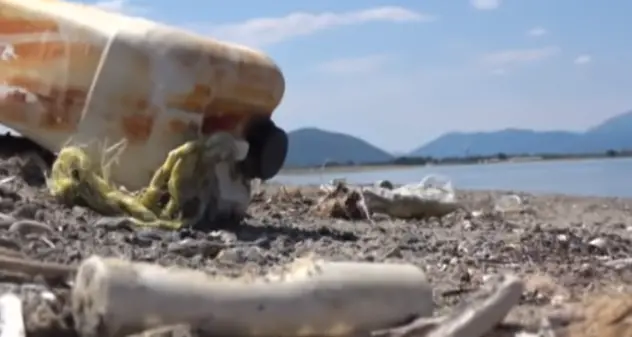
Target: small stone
192,247
150,234
9,244
26,211
223,236
232,256
6,193
6,205
586,270
476,214
6,220
253,254
467,225
600,243
25,227
139,240
41,215
48,296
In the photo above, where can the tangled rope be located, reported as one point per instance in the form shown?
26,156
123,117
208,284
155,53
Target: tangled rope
179,193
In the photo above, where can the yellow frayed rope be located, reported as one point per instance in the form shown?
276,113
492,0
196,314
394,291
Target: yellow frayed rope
184,179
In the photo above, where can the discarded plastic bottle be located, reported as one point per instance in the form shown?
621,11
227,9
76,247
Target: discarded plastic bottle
72,72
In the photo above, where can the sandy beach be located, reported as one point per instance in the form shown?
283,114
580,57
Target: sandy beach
565,247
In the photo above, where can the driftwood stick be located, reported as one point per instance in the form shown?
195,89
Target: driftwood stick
312,298
489,308
486,309
34,268
419,327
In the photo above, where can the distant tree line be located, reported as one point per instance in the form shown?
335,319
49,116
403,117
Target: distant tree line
499,157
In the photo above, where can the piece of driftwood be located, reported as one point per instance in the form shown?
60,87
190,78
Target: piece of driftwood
113,297
486,309
11,317
34,268
417,328
489,308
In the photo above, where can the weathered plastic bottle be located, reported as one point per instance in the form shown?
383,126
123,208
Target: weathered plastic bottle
71,72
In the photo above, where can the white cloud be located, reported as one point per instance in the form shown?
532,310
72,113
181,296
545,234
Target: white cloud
485,4
266,31
582,59
121,6
519,56
355,65
537,32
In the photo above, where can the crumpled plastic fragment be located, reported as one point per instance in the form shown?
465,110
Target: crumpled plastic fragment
508,203
432,197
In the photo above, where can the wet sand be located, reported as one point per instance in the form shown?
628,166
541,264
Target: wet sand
564,246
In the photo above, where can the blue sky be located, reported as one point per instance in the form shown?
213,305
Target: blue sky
400,73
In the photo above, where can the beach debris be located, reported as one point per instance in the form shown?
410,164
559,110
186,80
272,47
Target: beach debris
489,308
309,297
342,202
11,316
312,297
333,185
475,318
508,203
434,196
188,181
179,132
285,194
33,268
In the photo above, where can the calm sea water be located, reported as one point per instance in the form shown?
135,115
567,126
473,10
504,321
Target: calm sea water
610,177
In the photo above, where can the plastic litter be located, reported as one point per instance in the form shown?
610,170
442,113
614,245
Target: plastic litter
76,79
434,196
508,203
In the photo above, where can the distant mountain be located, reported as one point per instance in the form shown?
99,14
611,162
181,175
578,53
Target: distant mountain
613,134
509,141
314,147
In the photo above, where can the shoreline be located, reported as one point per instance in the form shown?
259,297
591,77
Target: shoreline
348,169
389,167
315,188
